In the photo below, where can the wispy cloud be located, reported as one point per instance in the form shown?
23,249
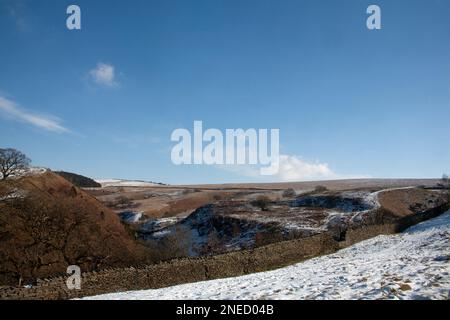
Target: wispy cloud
104,74
12,111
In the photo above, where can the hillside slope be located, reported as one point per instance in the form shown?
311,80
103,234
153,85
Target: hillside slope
411,265
46,224
235,225
79,180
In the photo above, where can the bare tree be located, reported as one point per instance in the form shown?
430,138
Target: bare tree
12,161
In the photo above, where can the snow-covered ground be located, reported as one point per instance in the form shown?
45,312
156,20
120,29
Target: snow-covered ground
18,193
14,194
125,183
130,216
31,171
411,265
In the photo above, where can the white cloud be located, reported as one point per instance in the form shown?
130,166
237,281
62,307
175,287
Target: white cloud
292,168
12,111
104,74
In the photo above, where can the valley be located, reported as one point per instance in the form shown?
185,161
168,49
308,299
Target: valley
146,235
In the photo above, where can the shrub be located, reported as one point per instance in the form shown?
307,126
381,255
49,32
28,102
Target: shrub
289,193
320,189
261,202
122,202
217,197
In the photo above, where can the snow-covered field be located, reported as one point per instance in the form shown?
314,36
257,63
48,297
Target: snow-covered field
124,183
411,265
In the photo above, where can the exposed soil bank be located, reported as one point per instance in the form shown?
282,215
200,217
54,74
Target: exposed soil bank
227,265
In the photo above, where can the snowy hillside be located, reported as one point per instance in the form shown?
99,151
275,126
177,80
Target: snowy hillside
411,265
125,183
31,171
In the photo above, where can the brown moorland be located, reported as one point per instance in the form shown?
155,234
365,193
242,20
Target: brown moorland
46,224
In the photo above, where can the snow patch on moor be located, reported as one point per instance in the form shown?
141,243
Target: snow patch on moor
125,183
14,194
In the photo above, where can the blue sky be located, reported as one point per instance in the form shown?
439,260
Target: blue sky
103,101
